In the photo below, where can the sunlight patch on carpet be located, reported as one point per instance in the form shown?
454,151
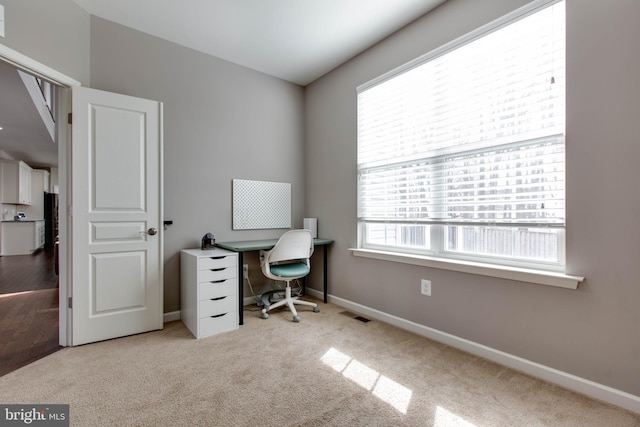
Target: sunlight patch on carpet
382,387
445,418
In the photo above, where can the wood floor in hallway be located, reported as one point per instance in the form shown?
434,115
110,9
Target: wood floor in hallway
28,309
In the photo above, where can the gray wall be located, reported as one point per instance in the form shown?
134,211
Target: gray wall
221,121
591,332
55,33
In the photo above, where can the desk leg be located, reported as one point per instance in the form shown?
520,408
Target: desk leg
326,261
240,288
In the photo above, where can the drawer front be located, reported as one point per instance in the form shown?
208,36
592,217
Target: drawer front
222,273
213,307
212,263
215,325
221,288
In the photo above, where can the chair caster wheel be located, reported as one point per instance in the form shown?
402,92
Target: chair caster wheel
265,316
316,309
296,319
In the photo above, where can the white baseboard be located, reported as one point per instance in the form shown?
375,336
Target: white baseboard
581,385
170,317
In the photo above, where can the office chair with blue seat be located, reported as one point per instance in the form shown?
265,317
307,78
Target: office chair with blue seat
286,261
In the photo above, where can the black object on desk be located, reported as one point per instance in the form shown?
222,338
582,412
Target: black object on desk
208,242
256,245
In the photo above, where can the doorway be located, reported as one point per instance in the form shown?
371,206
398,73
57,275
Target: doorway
112,221
29,292
43,261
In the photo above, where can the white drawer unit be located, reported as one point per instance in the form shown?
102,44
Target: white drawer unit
209,291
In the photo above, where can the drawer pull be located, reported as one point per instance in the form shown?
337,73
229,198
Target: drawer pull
218,269
217,299
218,281
218,315
217,257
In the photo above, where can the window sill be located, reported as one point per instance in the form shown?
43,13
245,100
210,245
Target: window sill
540,277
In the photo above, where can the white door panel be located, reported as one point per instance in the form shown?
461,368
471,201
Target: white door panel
117,232
118,282
116,199
120,187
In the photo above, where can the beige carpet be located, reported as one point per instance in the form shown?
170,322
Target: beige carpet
328,370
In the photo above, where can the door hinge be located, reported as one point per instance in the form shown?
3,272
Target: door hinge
70,304
70,118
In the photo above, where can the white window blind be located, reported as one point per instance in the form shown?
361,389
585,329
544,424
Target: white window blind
471,136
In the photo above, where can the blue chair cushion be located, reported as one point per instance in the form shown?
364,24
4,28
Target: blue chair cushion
290,270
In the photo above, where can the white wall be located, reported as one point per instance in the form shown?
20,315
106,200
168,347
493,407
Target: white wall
591,332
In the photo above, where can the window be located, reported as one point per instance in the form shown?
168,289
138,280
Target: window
461,152
48,94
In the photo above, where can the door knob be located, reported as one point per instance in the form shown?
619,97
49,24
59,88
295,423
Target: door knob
152,231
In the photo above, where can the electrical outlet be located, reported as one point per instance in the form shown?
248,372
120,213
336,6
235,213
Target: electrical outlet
245,271
425,287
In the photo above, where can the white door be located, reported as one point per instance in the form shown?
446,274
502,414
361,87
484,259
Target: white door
115,215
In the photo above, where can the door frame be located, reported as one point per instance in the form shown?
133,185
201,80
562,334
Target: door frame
63,135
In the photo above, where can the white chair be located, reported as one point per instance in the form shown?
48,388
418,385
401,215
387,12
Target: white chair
286,261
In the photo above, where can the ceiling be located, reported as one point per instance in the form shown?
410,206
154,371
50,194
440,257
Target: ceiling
294,40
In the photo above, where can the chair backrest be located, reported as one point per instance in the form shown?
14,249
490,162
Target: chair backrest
294,244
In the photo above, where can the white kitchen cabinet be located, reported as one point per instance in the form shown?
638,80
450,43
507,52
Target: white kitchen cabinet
16,182
21,237
209,291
